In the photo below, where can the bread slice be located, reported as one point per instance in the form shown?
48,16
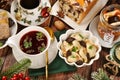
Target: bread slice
76,9
4,25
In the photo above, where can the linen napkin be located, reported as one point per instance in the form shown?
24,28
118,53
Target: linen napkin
57,66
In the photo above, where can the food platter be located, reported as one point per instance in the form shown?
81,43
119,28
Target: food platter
84,24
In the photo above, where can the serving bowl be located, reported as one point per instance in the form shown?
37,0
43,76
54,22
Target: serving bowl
26,37
78,47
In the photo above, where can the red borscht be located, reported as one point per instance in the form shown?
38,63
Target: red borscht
33,42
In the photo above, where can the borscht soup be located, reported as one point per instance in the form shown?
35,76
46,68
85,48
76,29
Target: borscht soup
33,42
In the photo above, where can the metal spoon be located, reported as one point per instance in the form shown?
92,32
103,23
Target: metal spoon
50,31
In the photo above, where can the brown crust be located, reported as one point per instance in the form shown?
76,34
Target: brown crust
82,15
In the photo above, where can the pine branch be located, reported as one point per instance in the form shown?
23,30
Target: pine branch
16,68
76,77
100,75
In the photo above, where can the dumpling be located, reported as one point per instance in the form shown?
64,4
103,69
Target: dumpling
65,46
91,48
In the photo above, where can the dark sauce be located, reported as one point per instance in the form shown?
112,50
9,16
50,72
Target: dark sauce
29,4
33,42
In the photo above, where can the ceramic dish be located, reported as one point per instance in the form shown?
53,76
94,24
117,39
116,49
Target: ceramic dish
86,35
26,20
23,46
13,28
52,52
93,29
83,25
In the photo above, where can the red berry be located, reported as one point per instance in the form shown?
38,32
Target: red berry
27,78
15,78
15,75
20,75
4,78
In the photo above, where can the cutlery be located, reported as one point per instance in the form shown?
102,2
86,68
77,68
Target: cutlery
46,67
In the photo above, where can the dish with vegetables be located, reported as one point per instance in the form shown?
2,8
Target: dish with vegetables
78,47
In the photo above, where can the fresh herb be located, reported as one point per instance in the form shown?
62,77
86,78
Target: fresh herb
74,49
72,56
41,49
27,44
39,35
99,75
81,36
90,47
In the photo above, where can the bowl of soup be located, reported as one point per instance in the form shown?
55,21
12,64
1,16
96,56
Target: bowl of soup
32,42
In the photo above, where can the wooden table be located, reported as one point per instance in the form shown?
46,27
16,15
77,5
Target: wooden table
9,59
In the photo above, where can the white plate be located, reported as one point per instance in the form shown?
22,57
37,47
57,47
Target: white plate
93,29
52,52
83,25
14,6
13,29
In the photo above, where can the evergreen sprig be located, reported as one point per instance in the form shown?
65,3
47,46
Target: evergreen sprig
99,75
76,77
16,68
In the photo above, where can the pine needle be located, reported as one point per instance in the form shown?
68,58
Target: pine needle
99,75
16,68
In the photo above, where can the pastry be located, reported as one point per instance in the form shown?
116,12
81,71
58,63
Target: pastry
76,9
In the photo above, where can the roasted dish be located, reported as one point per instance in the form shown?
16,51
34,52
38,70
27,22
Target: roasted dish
76,9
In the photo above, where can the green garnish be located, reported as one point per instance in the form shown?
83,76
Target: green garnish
90,47
41,49
100,75
74,49
27,44
39,35
72,56
81,36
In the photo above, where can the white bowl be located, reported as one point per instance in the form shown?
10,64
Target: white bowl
13,29
38,60
86,34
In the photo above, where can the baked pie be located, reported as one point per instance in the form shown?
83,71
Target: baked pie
76,9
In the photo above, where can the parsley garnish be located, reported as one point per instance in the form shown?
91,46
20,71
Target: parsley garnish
90,47
74,49
81,36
